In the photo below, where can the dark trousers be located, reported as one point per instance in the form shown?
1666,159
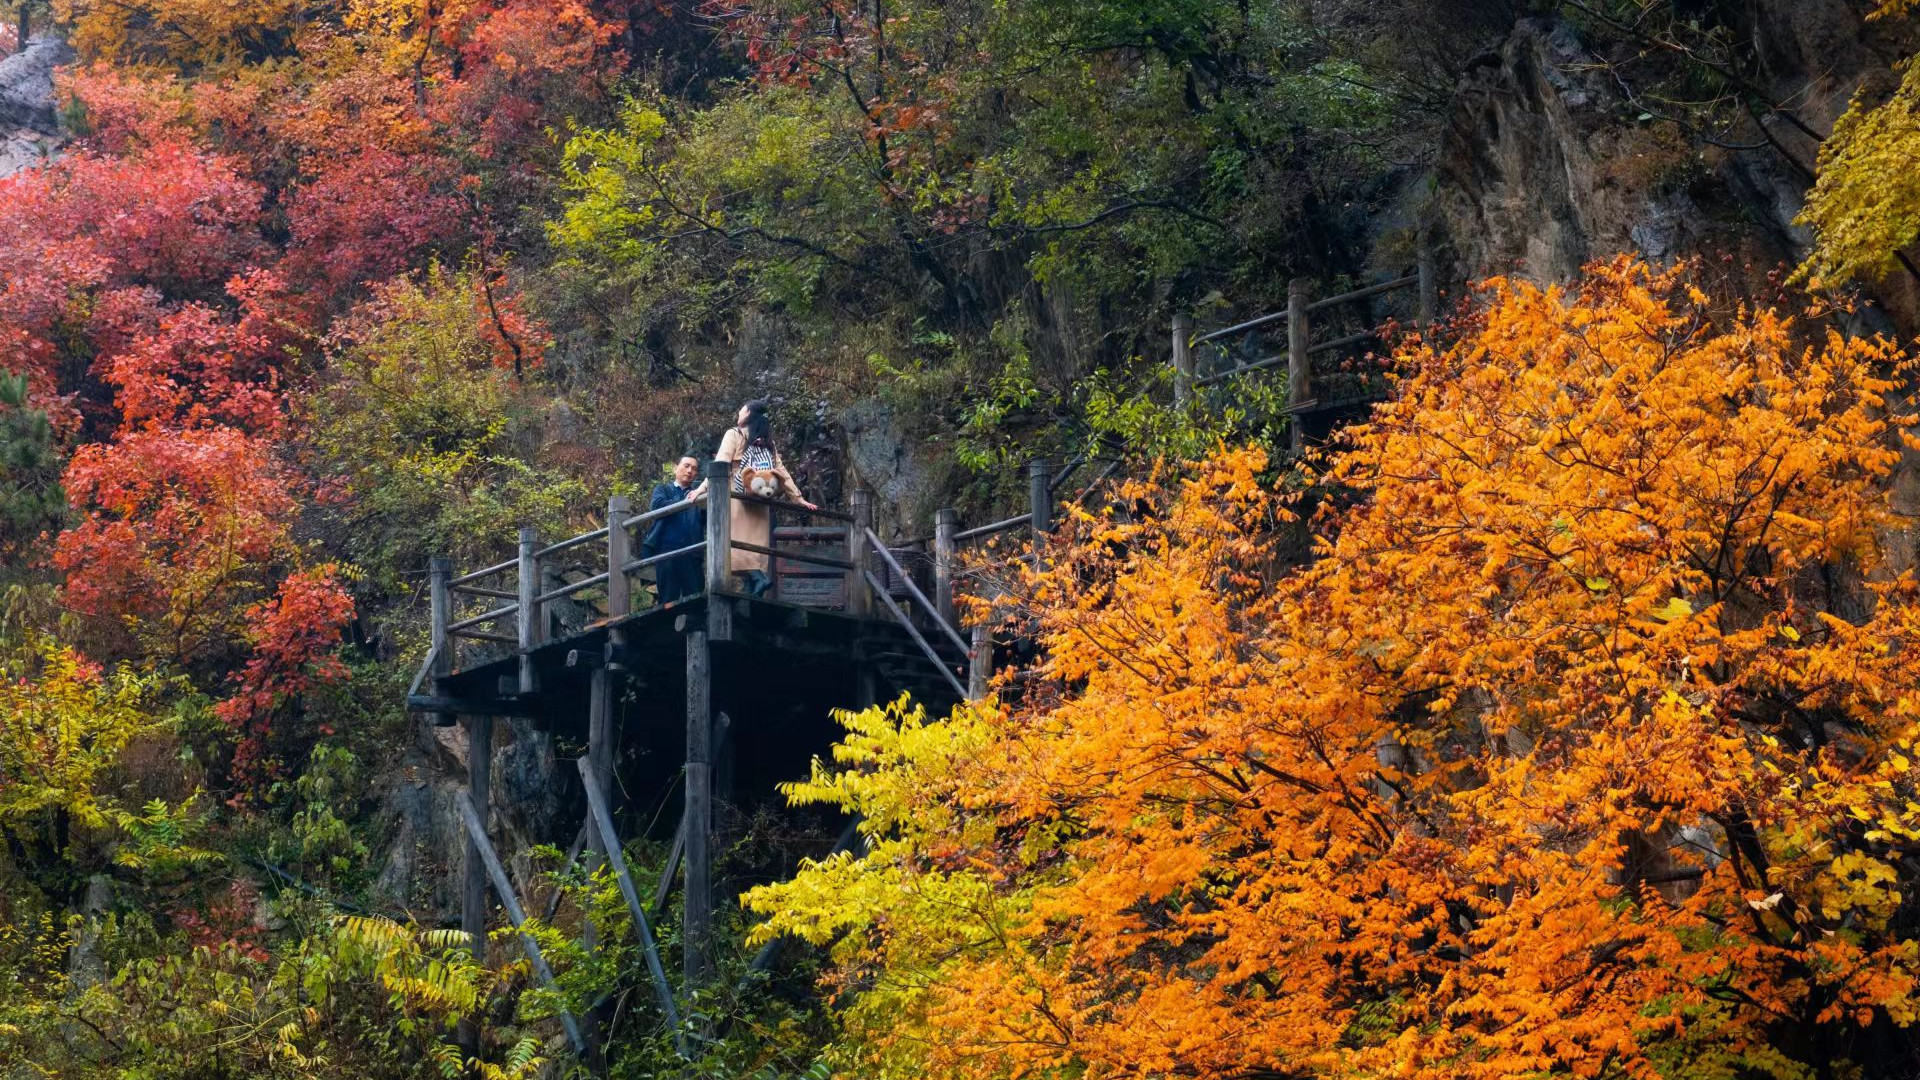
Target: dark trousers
679,578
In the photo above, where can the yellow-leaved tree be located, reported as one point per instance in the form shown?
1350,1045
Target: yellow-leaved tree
64,724
189,33
1581,746
1864,206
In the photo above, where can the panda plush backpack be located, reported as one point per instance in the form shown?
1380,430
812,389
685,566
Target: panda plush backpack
753,473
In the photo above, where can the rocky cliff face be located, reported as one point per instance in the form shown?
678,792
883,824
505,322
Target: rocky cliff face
29,115
1551,158
1555,153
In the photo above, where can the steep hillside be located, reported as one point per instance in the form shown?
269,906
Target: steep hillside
296,297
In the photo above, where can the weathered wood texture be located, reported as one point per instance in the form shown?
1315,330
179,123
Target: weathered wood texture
473,897
477,837
619,586
602,820
1299,371
697,920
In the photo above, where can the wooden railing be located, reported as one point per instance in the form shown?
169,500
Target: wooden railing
505,604
1045,484
1297,320
508,595
518,580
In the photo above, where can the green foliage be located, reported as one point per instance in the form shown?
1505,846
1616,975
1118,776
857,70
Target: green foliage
757,190
893,920
358,996
63,727
30,497
33,981
430,973
432,447
979,205
170,1014
159,838
320,845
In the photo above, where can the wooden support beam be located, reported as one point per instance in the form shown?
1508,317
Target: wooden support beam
610,842
473,897
1182,360
1299,375
600,732
441,703
441,662
672,869
477,839
721,725
696,924
946,525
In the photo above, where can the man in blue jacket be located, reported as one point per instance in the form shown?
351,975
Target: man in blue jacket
679,577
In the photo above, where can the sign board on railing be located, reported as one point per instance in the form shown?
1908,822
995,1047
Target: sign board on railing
805,583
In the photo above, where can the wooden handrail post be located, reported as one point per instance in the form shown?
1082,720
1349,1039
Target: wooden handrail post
527,617
440,608
619,552
946,524
1182,360
980,662
859,596
1299,375
719,527
1039,494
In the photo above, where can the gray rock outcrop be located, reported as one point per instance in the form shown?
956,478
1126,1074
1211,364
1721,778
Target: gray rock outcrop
29,109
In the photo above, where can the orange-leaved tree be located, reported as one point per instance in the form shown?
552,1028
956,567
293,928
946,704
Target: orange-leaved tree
1580,746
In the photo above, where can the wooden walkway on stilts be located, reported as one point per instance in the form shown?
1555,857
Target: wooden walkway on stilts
846,624
742,686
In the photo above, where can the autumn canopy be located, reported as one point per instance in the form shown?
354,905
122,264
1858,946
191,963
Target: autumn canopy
1582,743
1552,715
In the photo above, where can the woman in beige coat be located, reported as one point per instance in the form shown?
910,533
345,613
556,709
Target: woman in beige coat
748,446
